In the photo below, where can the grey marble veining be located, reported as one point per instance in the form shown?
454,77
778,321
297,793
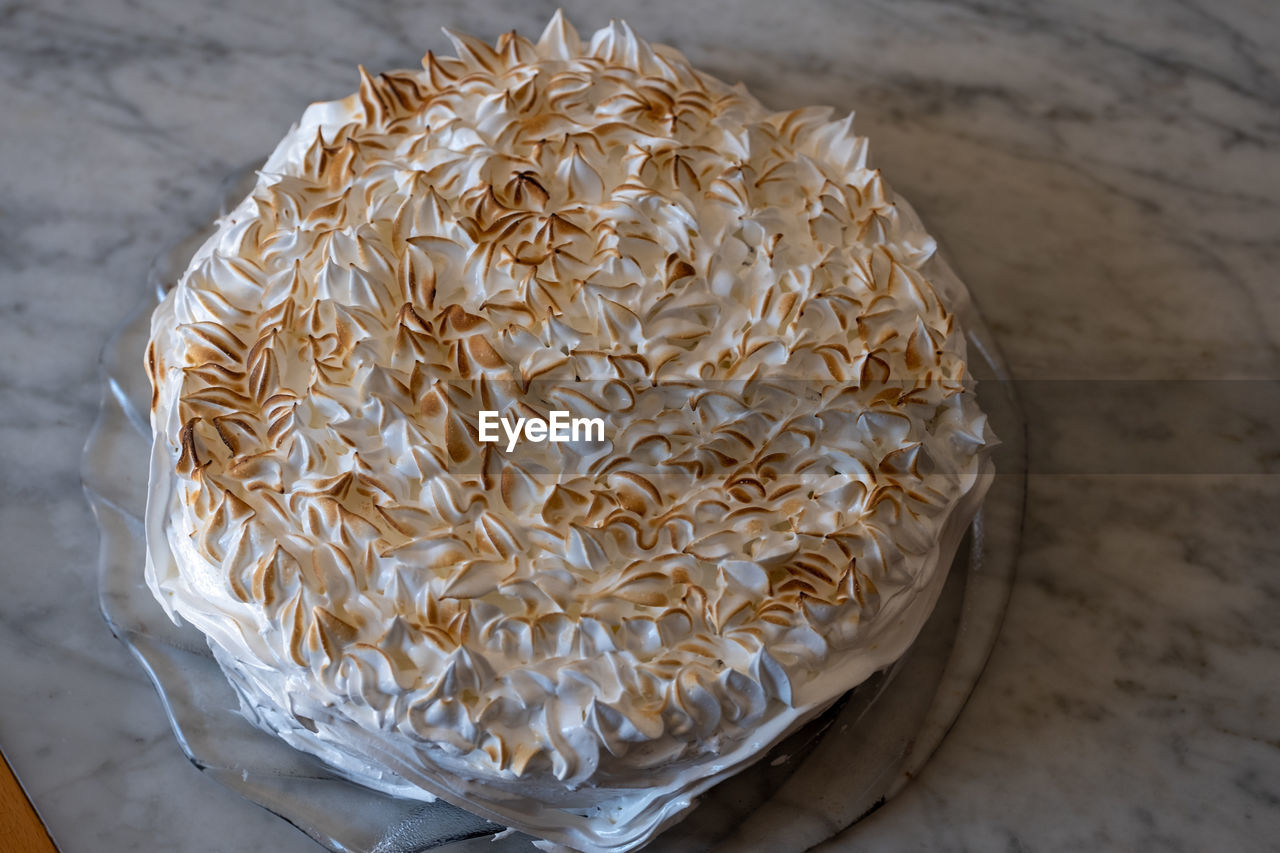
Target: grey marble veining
1105,175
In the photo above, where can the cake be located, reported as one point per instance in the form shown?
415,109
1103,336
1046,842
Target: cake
570,632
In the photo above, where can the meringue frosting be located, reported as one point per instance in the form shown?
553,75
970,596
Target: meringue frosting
572,638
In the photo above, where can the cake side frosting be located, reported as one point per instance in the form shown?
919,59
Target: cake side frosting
578,637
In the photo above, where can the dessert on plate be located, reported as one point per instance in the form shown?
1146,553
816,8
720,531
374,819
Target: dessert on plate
573,633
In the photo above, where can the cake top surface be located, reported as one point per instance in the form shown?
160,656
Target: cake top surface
593,228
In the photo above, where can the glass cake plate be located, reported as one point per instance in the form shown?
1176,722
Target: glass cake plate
823,778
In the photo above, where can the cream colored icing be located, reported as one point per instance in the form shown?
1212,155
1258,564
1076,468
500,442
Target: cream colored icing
572,639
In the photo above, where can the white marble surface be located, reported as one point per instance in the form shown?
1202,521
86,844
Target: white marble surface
1104,174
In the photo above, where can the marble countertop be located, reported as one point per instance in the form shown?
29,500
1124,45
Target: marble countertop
1106,177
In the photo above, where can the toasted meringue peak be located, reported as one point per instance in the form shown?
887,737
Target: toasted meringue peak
573,638
559,40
